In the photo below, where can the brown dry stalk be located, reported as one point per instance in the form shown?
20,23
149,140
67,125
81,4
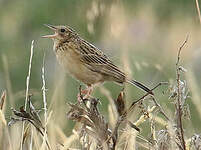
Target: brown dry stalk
178,107
143,97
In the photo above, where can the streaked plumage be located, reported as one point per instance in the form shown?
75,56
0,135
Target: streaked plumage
84,61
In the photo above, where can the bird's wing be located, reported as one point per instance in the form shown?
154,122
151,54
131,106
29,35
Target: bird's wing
88,48
102,65
97,61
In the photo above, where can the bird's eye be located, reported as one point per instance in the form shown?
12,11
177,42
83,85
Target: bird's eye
62,30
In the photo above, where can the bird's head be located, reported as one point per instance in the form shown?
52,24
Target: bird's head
60,32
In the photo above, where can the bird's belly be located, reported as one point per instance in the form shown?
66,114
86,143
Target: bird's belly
71,63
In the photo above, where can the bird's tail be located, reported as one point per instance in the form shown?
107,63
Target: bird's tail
140,86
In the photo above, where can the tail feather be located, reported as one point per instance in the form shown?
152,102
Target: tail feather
140,85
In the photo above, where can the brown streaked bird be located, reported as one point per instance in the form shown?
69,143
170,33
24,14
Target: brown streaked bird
84,61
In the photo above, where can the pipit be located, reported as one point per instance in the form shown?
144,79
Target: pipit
84,61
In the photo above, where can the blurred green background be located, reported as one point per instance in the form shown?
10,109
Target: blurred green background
140,36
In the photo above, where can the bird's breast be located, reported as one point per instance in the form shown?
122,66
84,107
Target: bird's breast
69,58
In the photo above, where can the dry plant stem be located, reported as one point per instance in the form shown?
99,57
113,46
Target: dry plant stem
31,141
179,52
198,10
160,108
2,102
140,99
178,107
27,90
124,115
44,101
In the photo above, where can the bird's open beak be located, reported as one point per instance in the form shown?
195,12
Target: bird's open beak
53,28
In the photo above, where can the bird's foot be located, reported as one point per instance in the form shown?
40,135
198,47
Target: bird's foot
84,94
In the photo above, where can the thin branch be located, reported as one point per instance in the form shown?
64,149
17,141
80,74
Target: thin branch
140,99
160,108
180,48
27,90
198,10
178,107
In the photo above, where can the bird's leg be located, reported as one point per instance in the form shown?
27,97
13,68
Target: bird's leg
86,92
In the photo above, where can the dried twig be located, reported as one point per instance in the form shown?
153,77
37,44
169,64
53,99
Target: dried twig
160,108
178,107
179,52
140,99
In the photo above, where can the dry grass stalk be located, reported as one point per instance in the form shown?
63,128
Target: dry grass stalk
31,140
179,104
5,139
27,89
31,117
2,100
29,75
2,118
44,102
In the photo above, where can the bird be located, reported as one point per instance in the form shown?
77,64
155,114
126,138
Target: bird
84,61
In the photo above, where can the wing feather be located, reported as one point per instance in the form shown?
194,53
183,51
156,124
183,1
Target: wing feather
97,61
102,65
